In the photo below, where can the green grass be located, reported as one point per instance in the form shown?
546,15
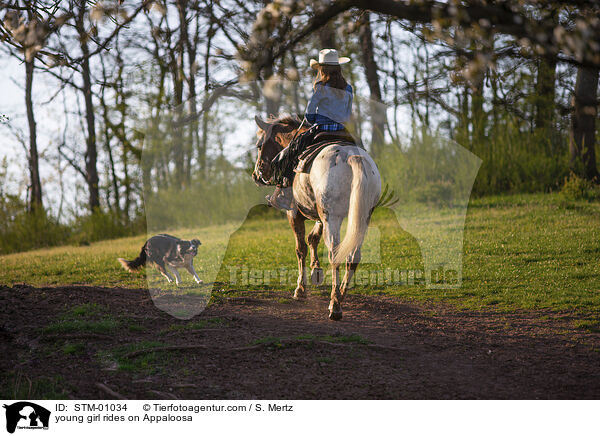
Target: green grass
73,349
15,385
84,318
87,309
148,363
590,325
276,342
343,339
520,252
196,325
81,326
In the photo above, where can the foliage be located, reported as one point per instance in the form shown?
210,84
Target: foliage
515,161
85,318
101,225
576,188
16,385
21,230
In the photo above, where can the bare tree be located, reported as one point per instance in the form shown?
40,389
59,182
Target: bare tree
583,122
91,152
377,109
90,46
478,20
35,199
25,38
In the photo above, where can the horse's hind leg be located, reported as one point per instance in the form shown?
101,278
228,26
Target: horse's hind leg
316,273
332,240
297,222
351,265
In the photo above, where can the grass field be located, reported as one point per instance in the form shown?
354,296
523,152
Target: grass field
520,252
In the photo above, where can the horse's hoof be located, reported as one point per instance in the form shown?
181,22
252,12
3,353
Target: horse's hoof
335,316
317,276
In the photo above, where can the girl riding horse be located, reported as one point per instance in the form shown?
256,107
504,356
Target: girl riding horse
328,110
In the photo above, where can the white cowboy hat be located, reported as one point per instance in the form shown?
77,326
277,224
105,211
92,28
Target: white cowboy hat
328,56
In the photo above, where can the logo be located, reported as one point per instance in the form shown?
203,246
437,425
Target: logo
26,415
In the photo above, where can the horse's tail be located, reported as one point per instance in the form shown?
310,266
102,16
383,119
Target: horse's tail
137,263
359,212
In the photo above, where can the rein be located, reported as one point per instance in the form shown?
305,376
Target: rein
297,131
259,170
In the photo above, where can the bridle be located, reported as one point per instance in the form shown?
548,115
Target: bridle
259,145
258,166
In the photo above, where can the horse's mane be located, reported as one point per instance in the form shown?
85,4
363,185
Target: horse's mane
287,120
291,121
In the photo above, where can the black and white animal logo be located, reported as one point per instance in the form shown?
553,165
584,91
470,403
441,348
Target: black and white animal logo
26,415
168,253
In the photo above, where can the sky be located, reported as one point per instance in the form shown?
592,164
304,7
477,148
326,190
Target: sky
12,104
51,118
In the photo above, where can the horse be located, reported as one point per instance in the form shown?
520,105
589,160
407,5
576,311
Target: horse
342,181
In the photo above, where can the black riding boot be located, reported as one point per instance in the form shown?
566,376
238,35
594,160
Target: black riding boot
282,198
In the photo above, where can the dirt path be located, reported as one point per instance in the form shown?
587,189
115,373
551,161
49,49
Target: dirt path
278,348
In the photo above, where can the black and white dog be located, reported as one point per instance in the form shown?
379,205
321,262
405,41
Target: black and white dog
166,252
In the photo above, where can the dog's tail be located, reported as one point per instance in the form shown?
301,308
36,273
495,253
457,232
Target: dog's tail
135,264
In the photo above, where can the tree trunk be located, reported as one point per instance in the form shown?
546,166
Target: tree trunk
203,145
464,121
327,35
273,96
35,199
91,153
545,92
583,124
478,114
178,78
120,100
106,132
194,134
377,109
111,162
296,85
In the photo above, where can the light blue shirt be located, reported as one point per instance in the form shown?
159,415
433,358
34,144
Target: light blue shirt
330,106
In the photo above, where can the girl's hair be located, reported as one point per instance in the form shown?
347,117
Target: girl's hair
330,75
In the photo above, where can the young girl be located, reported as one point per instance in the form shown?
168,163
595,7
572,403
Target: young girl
329,109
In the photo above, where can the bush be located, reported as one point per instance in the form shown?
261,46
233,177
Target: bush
21,230
576,188
104,225
440,193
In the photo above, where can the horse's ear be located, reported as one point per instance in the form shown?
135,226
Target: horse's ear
260,123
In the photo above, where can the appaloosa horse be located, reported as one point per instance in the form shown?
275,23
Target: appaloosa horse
343,181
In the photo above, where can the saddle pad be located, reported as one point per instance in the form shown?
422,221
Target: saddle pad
307,157
338,135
